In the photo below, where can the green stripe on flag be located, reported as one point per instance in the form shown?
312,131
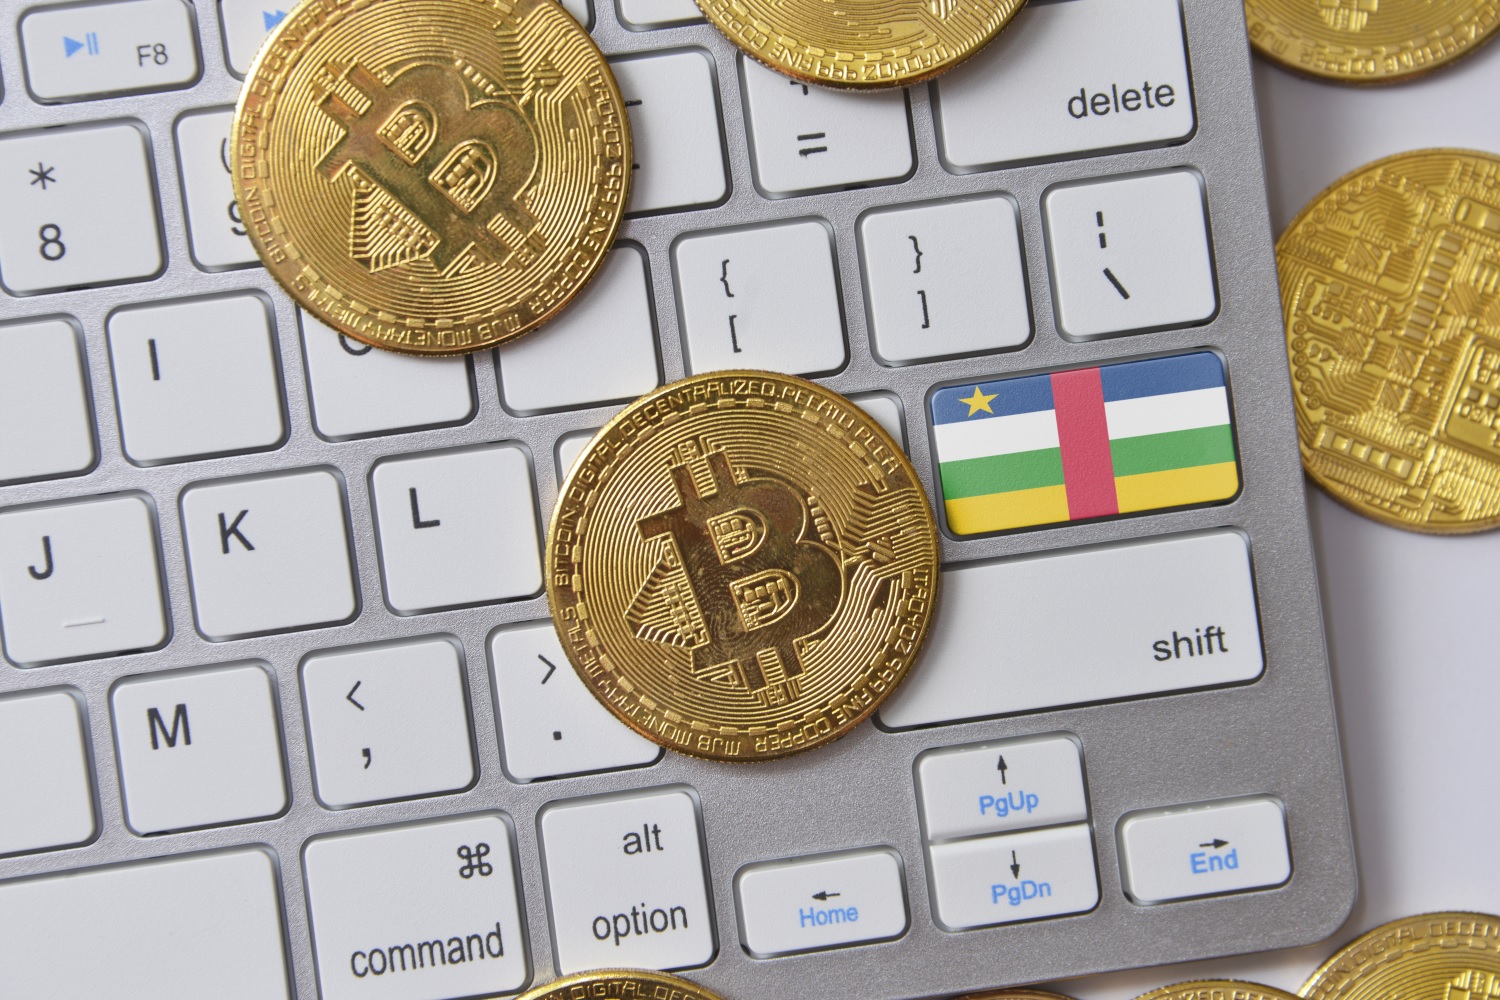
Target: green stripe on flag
1022,470
1172,450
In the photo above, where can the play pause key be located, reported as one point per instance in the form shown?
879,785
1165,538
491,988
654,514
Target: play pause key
416,912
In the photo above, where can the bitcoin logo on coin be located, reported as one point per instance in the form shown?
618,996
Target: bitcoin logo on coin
860,43
1390,285
428,176
742,565
1434,956
1368,41
623,984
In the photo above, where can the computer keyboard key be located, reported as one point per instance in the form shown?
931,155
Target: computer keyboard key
1013,877
1186,851
91,50
834,901
205,925
246,25
887,412
760,298
944,279
79,579
647,15
414,912
198,748
1005,785
456,527
1067,79
675,133
358,391
48,802
580,9
1129,254
80,208
196,378
810,138
46,428
1180,614
215,225
387,722
625,882
550,724
601,349
568,448
268,553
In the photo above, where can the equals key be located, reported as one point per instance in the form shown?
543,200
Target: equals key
812,137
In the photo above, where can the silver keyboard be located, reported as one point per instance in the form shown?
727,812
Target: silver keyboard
282,714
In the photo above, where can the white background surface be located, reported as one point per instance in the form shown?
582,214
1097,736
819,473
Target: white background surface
1411,619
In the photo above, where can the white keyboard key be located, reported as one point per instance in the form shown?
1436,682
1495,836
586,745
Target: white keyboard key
809,138
550,724
887,412
214,223
109,48
267,554
1088,625
944,279
1016,876
625,882
358,390
580,11
45,423
198,748
456,527
246,25
79,580
646,15
1068,78
1129,255
48,802
416,912
1006,785
675,133
1203,850
196,378
760,298
208,925
387,722
829,902
569,447
79,209
601,349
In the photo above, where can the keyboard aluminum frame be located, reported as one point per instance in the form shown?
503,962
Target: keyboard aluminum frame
1274,736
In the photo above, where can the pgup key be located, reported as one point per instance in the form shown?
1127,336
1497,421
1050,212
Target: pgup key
109,48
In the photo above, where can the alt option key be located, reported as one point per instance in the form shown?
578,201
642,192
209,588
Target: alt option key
416,912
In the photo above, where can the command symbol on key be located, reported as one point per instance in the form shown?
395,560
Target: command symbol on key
474,863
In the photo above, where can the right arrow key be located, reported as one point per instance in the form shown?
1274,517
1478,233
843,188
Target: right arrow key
1233,845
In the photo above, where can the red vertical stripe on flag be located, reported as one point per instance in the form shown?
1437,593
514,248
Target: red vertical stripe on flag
1088,470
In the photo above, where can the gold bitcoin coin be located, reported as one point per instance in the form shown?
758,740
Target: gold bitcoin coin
620,984
1013,995
1390,285
1216,989
860,43
1368,41
431,176
742,565
1434,956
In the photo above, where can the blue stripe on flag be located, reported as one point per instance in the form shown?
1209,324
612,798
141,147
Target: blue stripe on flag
1027,394
1160,376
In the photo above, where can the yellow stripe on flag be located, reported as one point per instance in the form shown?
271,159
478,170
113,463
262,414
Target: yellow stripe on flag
1175,487
999,511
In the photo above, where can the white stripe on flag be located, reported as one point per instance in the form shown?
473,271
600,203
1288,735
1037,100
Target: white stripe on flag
1172,411
996,435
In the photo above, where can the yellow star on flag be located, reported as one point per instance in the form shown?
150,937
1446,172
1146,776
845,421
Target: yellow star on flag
978,401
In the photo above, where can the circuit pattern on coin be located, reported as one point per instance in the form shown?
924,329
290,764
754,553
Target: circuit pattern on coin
742,565
1390,285
429,176
1369,41
1432,956
620,984
860,43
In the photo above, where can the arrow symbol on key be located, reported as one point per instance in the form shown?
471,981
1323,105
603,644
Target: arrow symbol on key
825,895
1015,867
1216,843
1002,767
350,696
